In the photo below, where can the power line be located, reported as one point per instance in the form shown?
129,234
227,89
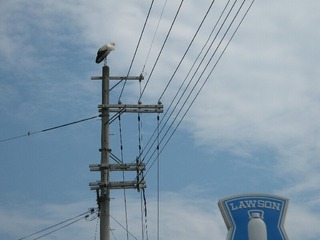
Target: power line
149,159
199,78
185,53
114,117
158,179
46,234
65,222
48,129
154,35
158,132
197,94
164,43
123,178
145,213
124,228
176,95
176,105
167,136
135,52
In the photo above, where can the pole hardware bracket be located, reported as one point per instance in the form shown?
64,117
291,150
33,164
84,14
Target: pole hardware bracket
139,108
118,167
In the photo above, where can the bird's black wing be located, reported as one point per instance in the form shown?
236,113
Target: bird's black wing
100,56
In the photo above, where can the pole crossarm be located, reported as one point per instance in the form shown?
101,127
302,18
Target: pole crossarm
135,108
140,78
118,167
127,185
118,185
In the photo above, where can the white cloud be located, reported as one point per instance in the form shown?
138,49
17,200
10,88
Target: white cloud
18,221
269,99
301,223
185,215
264,95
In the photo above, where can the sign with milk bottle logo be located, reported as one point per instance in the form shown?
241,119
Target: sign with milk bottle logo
254,216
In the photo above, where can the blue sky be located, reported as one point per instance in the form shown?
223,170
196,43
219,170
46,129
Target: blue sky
253,128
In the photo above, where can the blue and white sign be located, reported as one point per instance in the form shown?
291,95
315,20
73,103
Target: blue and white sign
254,216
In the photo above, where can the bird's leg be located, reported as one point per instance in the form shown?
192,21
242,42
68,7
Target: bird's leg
105,62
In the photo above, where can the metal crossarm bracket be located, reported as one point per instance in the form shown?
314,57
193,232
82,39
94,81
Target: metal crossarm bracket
120,78
139,108
127,185
118,185
127,167
96,185
97,167
118,167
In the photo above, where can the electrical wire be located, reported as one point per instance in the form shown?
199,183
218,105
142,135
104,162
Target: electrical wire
167,136
164,43
114,117
145,213
158,179
181,119
65,222
154,35
122,226
96,229
135,52
114,236
123,179
195,72
48,129
176,95
185,53
144,226
208,76
190,81
180,99
141,217
46,234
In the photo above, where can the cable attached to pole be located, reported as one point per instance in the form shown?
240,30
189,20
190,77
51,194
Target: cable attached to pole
158,178
64,224
123,179
49,129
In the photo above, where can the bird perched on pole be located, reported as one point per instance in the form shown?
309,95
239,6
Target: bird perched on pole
104,51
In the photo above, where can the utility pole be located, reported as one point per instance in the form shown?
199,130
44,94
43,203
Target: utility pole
104,186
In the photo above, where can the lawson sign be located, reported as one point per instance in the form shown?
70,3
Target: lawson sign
254,216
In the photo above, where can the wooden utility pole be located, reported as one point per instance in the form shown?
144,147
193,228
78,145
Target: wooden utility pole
105,167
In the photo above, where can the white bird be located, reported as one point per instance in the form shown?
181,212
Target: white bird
104,51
